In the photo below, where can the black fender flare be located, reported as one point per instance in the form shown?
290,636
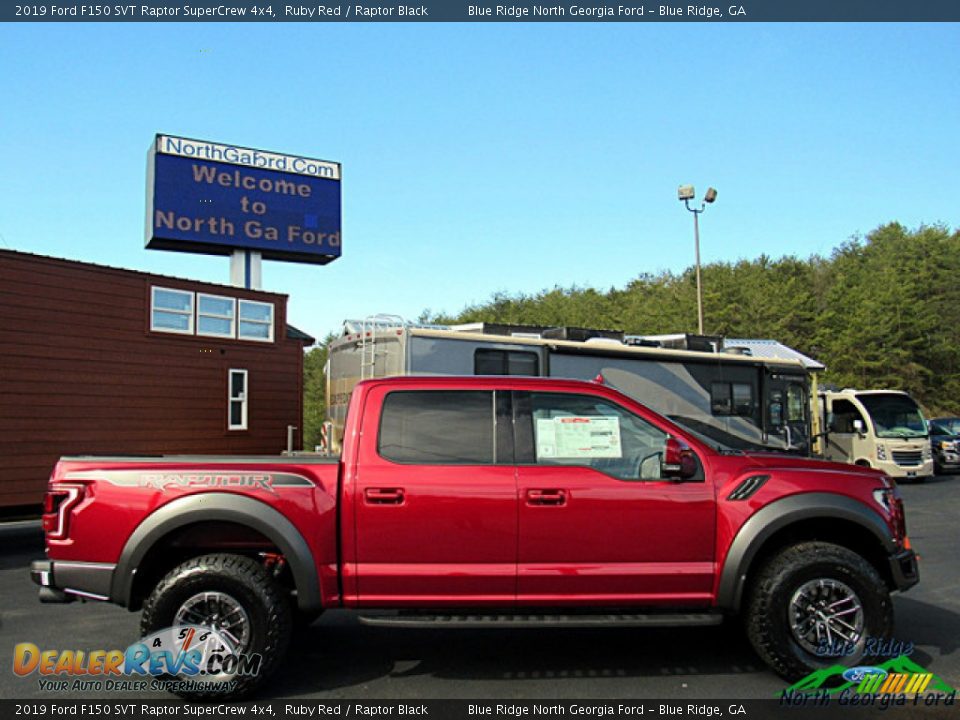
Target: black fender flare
761,526
207,507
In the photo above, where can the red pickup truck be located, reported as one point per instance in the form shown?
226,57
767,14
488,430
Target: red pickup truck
465,501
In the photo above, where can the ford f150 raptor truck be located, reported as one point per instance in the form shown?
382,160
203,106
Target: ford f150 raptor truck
488,500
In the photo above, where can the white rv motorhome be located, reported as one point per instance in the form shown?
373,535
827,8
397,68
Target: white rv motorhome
731,398
882,429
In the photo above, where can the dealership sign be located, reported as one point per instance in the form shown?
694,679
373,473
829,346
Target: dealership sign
211,198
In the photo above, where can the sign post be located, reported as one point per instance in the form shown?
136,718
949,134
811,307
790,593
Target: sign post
245,269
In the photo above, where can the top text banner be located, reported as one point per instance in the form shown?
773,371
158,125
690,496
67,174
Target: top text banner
479,11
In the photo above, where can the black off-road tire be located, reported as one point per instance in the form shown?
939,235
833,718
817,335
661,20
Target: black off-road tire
267,605
767,607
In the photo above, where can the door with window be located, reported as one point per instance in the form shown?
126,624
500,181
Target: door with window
843,439
436,500
787,412
598,521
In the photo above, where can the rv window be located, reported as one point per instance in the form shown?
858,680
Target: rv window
796,403
505,362
844,413
720,401
437,428
742,399
731,399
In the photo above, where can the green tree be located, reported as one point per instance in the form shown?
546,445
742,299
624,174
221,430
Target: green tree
314,392
880,312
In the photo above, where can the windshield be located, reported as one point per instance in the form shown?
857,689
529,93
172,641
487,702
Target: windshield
894,415
949,425
718,439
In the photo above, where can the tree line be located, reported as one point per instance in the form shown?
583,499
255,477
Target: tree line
882,311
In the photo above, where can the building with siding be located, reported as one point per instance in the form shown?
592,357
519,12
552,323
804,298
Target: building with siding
99,360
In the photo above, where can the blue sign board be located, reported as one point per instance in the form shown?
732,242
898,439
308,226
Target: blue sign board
212,198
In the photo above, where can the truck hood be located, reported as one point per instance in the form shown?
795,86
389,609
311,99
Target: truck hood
791,462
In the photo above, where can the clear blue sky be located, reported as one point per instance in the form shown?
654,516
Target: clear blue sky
479,158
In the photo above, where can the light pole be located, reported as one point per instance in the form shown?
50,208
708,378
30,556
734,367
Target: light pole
686,193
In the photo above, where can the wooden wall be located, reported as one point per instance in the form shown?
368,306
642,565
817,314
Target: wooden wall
81,373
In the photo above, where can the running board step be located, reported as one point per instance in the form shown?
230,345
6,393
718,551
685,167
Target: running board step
520,620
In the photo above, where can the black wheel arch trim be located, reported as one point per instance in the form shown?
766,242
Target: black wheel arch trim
778,515
207,507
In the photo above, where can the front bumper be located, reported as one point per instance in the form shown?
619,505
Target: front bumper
894,470
64,581
947,460
904,569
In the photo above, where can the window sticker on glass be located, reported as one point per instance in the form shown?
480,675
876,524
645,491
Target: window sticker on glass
578,437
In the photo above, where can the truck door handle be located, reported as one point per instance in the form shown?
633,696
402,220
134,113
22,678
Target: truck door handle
383,496
546,497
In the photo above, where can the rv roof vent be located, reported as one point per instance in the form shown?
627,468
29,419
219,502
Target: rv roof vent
637,341
603,341
577,334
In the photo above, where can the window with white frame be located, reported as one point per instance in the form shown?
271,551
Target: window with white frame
216,316
256,321
237,402
171,310
181,311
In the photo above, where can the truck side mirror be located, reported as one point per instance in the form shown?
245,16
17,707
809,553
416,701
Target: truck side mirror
679,462
858,426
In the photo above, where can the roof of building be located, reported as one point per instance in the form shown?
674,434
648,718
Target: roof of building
297,334
113,268
773,350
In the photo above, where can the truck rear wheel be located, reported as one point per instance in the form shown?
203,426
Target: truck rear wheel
235,597
816,605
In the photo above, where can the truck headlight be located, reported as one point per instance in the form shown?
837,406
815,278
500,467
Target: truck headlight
881,452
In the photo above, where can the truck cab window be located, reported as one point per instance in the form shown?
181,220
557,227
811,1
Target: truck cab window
438,427
585,431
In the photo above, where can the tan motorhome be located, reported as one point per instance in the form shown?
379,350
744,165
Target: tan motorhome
726,395
882,429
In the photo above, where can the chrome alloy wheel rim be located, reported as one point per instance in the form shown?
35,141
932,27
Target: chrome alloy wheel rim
826,613
219,612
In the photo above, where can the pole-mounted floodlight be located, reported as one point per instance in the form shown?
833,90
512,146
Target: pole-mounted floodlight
686,193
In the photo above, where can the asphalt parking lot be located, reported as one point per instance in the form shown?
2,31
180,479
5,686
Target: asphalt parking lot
339,658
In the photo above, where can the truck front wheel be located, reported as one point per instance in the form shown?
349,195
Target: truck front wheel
236,598
816,605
